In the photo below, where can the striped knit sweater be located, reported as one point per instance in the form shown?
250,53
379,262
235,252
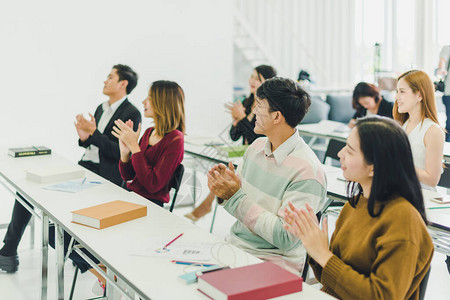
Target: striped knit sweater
269,181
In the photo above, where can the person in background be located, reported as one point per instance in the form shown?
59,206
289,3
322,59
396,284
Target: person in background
415,109
148,165
244,120
276,169
383,222
443,67
367,101
101,156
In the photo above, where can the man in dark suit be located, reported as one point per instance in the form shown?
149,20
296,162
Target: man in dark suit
102,148
102,151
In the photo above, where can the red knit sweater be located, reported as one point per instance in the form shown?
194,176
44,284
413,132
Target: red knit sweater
148,172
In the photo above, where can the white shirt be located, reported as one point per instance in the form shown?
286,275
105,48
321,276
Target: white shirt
91,153
416,139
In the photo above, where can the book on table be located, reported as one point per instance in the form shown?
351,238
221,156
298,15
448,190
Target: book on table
233,151
108,214
260,281
29,151
56,173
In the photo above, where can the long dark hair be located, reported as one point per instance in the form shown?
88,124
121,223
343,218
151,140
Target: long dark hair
385,145
364,89
264,72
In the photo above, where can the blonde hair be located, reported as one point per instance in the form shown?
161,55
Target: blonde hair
167,100
420,82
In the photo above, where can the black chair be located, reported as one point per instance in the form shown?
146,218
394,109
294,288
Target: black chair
445,177
175,183
423,285
334,146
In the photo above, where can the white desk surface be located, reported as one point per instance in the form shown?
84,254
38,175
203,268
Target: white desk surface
150,277
447,151
326,129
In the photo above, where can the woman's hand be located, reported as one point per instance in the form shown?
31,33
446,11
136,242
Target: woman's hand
304,224
237,111
127,136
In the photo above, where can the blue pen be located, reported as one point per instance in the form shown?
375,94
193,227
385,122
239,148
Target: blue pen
84,180
178,262
96,182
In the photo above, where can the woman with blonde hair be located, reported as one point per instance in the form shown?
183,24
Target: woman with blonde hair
148,165
415,109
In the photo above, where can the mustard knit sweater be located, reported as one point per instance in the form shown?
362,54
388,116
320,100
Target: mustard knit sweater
385,257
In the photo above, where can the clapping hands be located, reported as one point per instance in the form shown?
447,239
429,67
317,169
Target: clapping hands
304,224
237,111
84,127
128,138
222,181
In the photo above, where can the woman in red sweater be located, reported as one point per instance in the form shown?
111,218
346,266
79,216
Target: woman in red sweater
148,165
381,248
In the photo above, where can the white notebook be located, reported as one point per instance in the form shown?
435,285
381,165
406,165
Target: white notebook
55,174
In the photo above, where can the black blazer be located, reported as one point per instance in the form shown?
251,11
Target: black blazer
385,110
108,145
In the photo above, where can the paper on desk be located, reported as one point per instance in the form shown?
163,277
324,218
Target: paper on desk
72,186
179,250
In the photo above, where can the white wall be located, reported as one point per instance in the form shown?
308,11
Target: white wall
55,55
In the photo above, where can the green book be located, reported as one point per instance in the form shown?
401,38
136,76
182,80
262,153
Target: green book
29,151
234,151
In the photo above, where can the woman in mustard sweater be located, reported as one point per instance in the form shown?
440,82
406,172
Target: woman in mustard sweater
380,248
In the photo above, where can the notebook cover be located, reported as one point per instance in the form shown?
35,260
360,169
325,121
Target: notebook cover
113,213
260,281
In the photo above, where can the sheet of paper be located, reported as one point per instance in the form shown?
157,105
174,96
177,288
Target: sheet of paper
72,186
179,250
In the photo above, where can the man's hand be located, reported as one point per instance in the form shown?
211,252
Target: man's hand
88,126
83,135
223,182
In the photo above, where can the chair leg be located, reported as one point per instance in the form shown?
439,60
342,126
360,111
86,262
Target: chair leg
32,223
73,283
214,218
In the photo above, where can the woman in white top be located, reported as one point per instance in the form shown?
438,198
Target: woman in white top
415,109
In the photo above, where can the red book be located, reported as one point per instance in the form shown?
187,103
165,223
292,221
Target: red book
260,281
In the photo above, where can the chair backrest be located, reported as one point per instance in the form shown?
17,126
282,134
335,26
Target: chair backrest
317,112
423,285
341,109
445,177
175,183
334,146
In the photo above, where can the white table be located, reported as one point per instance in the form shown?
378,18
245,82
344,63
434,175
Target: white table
325,129
146,277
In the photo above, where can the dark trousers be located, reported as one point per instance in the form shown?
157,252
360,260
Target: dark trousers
75,257
446,101
19,221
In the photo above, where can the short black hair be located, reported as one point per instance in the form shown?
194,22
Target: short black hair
126,73
285,95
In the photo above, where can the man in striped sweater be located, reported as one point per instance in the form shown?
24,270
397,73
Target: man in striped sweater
276,169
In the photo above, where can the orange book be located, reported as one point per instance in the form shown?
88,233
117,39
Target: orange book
108,214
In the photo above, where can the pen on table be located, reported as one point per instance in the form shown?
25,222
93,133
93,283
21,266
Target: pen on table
84,180
438,207
172,241
179,262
